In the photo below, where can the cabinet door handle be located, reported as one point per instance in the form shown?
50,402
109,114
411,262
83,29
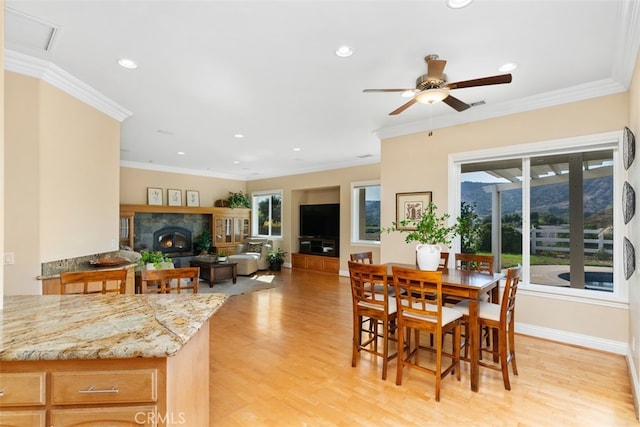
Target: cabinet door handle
91,390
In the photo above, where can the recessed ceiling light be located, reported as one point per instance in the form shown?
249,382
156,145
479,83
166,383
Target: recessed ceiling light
297,149
127,63
238,135
236,162
509,66
344,51
181,153
458,4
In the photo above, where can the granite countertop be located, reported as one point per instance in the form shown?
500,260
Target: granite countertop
56,327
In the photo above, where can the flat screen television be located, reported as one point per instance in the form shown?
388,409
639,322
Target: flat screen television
320,220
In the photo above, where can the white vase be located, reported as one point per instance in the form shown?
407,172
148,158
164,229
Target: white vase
428,257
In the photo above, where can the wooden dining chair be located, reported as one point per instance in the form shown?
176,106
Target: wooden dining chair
372,303
477,262
418,312
499,317
471,262
364,257
444,261
93,282
170,280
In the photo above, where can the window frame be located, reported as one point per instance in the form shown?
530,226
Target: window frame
355,213
254,213
595,142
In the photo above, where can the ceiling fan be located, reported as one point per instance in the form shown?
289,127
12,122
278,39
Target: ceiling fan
433,87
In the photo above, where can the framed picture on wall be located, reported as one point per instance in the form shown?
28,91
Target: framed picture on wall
174,197
193,198
154,196
411,206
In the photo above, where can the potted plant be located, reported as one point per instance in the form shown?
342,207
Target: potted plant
222,256
276,258
239,200
204,242
154,260
430,231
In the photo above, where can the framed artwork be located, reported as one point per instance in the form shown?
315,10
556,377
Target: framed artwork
154,196
174,197
193,198
411,206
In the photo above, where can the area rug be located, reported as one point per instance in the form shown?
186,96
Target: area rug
244,285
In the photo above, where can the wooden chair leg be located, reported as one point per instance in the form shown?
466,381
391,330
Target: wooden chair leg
512,349
503,359
400,360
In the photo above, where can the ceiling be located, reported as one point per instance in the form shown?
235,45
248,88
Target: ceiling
208,70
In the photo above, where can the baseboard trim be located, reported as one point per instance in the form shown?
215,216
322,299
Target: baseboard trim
587,341
635,385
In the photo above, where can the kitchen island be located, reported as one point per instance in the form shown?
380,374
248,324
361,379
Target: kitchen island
125,359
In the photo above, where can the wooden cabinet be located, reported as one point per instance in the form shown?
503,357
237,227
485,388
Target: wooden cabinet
315,262
52,286
229,231
106,392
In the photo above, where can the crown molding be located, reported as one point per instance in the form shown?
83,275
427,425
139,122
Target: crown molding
47,71
548,99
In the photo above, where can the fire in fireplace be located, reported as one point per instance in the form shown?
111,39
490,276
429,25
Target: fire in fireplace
172,240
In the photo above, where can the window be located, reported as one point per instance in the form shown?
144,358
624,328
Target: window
365,220
549,207
266,214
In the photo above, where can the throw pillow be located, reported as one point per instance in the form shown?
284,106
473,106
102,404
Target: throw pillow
254,247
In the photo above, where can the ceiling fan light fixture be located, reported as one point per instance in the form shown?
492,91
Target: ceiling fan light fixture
409,93
432,96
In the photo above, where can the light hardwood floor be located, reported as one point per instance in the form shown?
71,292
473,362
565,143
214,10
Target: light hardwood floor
282,357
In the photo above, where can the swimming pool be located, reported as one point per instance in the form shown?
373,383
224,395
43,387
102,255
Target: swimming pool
594,280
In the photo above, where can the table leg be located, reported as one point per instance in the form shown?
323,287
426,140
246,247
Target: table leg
234,272
474,341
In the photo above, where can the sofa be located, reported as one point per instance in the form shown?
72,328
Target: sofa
251,255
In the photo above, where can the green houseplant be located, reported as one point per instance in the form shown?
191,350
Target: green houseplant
239,200
204,242
430,231
276,258
157,259
222,256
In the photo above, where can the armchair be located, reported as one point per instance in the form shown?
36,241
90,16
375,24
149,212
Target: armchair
251,255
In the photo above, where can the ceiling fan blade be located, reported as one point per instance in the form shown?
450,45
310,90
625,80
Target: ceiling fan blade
484,81
386,90
435,68
403,107
455,103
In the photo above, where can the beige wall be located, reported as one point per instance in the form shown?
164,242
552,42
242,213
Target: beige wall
632,231
134,183
2,179
62,179
332,186
426,168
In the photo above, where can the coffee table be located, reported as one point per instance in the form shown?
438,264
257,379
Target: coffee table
213,271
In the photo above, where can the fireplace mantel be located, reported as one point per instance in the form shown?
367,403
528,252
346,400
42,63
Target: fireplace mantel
126,210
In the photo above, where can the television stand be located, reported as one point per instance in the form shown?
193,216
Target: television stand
319,246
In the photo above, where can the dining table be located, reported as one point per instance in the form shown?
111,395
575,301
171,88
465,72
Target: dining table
470,285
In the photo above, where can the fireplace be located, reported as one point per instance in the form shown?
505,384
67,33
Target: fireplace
172,241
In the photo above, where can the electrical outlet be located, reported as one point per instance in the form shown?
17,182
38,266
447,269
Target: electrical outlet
9,258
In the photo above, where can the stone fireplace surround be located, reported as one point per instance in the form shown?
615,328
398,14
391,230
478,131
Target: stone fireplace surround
146,224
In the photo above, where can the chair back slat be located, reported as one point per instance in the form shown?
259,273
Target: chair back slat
469,262
369,285
510,289
362,257
418,293
93,282
165,281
